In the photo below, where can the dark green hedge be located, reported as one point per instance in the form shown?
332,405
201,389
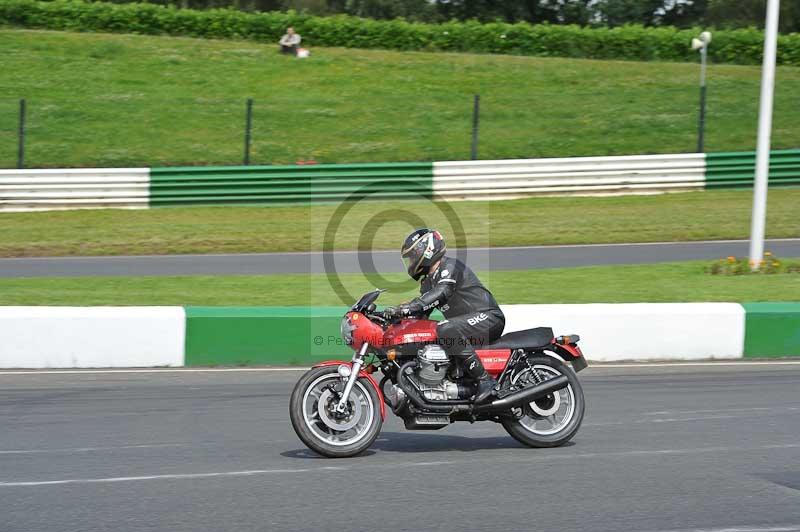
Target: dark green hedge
627,42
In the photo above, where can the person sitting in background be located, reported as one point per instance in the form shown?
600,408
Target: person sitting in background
289,42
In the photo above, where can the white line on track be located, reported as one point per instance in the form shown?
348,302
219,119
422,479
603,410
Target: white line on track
515,459
93,449
766,528
659,420
720,414
690,364
145,370
716,411
306,368
165,477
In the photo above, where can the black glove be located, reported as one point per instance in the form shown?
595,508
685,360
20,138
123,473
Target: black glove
399,311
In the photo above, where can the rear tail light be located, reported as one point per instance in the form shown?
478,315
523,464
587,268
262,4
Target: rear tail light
568,339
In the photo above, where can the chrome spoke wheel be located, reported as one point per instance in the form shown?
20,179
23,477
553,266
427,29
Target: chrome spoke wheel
334,428
550,414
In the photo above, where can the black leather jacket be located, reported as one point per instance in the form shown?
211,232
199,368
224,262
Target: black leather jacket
454,289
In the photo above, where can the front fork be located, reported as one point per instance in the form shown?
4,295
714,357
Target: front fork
355,369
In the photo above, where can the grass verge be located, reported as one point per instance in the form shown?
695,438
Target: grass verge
672,282
133,100
706,215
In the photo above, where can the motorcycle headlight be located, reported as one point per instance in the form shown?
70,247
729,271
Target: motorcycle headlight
346,329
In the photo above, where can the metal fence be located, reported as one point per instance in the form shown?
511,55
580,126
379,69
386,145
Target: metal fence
68,132
131,129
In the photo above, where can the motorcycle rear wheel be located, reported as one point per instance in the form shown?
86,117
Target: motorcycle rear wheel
552,420
323,431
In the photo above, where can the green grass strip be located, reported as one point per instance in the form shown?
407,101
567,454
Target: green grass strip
94,101
627,42
669,282
703,215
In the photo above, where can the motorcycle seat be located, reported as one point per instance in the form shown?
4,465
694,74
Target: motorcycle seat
537,337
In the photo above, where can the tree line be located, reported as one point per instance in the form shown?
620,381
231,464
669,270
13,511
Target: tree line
610,13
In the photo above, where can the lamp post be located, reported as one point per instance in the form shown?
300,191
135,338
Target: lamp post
701,43
758,221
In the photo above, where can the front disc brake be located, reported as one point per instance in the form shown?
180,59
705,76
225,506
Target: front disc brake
327,402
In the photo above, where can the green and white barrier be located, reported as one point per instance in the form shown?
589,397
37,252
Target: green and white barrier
86,188
449,180
31,190
288,184
632,174
85,337
635,174
737,169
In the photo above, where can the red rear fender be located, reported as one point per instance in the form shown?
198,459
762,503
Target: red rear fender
572,350
571,353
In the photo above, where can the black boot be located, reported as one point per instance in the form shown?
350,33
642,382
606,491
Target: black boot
475,369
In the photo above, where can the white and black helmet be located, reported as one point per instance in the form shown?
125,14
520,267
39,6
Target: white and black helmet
421,250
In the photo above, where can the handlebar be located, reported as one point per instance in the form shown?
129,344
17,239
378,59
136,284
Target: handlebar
381,317
377,316
394,319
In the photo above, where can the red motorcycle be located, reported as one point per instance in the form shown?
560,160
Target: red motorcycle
337,408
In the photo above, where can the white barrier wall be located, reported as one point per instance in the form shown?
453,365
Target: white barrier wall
102,337
641,331
575,175
85,188
91,337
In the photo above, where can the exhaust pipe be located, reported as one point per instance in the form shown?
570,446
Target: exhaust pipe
527,395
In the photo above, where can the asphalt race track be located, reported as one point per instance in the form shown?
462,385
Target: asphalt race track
513,258
682,448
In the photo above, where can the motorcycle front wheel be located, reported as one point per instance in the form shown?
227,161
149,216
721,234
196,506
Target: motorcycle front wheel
551,420
320,427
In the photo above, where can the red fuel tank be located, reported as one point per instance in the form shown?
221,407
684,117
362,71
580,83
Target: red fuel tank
409,332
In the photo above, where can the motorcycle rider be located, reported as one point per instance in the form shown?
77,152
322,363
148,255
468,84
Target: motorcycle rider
472,314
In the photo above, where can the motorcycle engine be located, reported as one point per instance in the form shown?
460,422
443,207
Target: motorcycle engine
431,374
